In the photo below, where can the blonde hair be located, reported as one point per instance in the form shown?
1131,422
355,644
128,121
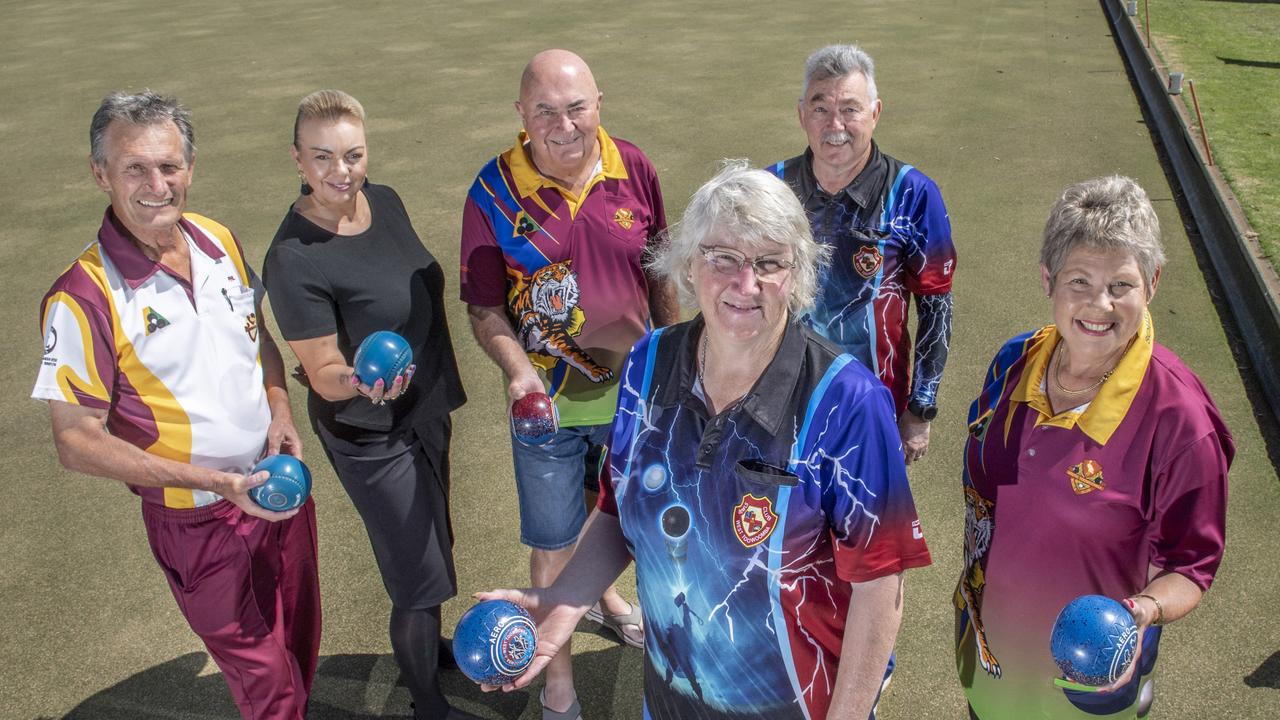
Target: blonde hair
331,105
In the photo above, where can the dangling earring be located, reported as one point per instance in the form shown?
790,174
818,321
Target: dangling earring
305,189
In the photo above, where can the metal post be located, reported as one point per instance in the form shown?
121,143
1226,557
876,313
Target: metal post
1146,11
1204,133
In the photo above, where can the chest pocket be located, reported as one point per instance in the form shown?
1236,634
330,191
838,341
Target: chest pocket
627,220
235,318
760,472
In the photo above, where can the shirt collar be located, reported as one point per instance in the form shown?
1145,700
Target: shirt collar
1100,419
864,186
529,181
769,401
135,267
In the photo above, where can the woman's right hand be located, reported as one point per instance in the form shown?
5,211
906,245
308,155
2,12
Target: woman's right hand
379,393
556,622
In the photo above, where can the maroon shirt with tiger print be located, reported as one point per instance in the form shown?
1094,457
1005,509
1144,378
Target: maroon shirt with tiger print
568,269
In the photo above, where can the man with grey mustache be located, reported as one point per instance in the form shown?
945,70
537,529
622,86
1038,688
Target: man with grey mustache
890,236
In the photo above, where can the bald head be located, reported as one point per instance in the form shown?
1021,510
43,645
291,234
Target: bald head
559,106
556,66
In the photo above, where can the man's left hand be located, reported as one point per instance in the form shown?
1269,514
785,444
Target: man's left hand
282,437
915,436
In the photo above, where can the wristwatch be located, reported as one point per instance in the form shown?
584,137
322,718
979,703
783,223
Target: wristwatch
925,412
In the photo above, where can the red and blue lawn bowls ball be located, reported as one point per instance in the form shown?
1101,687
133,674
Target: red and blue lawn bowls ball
1093,640
288,486
384,355
494,642
534,419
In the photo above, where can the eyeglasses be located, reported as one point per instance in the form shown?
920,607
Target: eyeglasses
726,261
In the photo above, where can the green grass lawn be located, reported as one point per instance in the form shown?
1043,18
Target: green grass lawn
1231,50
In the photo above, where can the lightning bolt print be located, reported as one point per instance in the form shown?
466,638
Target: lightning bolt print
891,241
747,527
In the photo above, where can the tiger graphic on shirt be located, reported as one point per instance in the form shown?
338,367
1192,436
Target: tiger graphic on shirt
544,307
978,524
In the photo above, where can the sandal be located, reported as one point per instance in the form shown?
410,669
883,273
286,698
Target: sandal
573,712
618,624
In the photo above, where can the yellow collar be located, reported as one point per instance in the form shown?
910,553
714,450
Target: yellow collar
529,181
1104,414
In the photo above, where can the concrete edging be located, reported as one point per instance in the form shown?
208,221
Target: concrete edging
1251,290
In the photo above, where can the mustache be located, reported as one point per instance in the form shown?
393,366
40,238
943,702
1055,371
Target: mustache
835,138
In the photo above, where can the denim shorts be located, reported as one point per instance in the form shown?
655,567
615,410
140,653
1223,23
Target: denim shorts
549,482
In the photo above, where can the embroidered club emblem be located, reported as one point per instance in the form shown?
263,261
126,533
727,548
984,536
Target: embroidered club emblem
625,218
978,428
1086,477
50,340
154,320
753,520
525,225
867,261
251,326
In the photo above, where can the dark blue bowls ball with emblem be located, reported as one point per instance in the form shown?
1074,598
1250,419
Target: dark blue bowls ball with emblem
384,355
286,488
494,642
534,419
1094,639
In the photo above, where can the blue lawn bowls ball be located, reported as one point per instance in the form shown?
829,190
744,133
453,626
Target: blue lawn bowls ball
534,419
494,642
384,355
1094,639
288,486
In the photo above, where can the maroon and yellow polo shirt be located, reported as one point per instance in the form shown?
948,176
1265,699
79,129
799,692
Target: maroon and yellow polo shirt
568,268
1079,502
174,363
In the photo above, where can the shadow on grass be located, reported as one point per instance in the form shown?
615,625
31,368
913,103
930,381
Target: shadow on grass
1267,675
347,687
1250,63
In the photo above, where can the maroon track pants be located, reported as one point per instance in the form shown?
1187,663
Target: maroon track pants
250,590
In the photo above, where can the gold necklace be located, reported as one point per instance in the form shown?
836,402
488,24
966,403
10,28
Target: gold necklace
1057,377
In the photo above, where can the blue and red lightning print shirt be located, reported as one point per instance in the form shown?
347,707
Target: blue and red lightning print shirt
891,238
748,527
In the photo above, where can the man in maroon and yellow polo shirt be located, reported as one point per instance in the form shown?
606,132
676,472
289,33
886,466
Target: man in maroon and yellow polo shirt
554,236
159,374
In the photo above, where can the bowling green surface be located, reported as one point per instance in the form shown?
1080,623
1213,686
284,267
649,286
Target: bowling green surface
1002,102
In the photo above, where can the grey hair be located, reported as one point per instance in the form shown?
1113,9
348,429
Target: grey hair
755,207
144,108
836,61
1110,213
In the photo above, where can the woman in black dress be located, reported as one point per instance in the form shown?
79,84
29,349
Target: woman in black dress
345,263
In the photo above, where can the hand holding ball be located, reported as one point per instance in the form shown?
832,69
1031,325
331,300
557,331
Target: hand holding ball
384,356
287,487
1094,640
494,642
534,419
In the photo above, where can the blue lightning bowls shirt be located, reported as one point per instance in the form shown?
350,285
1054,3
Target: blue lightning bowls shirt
748,527
890,237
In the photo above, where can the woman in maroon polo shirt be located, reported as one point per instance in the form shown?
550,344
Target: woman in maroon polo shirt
1096,464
